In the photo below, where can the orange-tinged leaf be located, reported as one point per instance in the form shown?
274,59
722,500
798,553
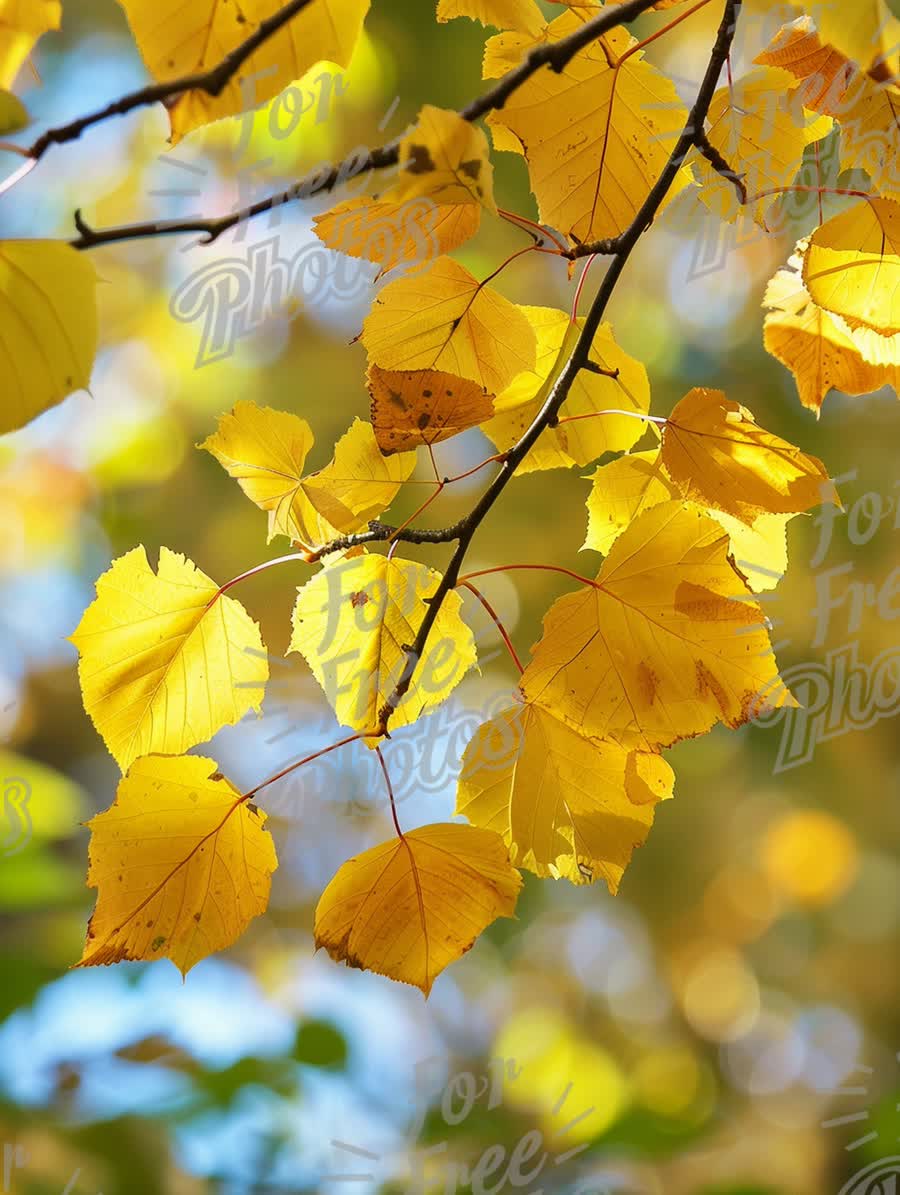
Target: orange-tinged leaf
719,456
410,907
48,312
818,348
596,138
409,234
852,266
664,645
352,624
635,482
446,320
865,109
181,864
414,407
161,668
582,435
567,805
178,39
265,451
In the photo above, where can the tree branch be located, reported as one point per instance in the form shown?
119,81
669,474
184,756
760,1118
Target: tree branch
213,82
690,136
556,55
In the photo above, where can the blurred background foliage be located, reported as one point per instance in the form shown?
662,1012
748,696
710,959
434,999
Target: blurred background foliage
729,1025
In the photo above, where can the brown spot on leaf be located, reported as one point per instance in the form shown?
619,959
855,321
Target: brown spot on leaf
359,599
420,160
709,686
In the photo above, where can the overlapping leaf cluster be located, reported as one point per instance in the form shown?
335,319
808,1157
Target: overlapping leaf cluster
663,643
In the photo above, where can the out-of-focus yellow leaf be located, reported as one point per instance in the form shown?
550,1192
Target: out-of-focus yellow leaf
761,129
445,319
633,483
181,864
820,352
48,311
352,624
410,234
22,22
667,642
596,137
265,451
410,907
523,15
581,435
178,39
161,669
566,805
863,30
38,802
719,456
852,266
410,408
13,114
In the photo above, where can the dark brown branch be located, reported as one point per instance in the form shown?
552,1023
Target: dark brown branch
213,82
556,55
688,140
719,164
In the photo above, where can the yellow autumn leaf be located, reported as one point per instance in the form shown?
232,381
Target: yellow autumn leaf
582,435
719,456
265,451
177,39
761,129
161,668
445,319
666,643
48,311
353,622
863,30
596,137
566,805
22,22
409,234
523,15
445,159
831,84
181,864
410,907
637,481
821,352
410,408
852,266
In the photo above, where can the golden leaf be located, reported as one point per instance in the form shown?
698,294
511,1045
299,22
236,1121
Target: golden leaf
181,864
410,907
22,22
665,644
178,39
719,456
523,15
582,434
566,805
445,319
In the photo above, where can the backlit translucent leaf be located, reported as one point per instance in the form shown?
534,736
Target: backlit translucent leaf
22,22
180,862
665,645
161,668
410,907
353,622
566,805
410,408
